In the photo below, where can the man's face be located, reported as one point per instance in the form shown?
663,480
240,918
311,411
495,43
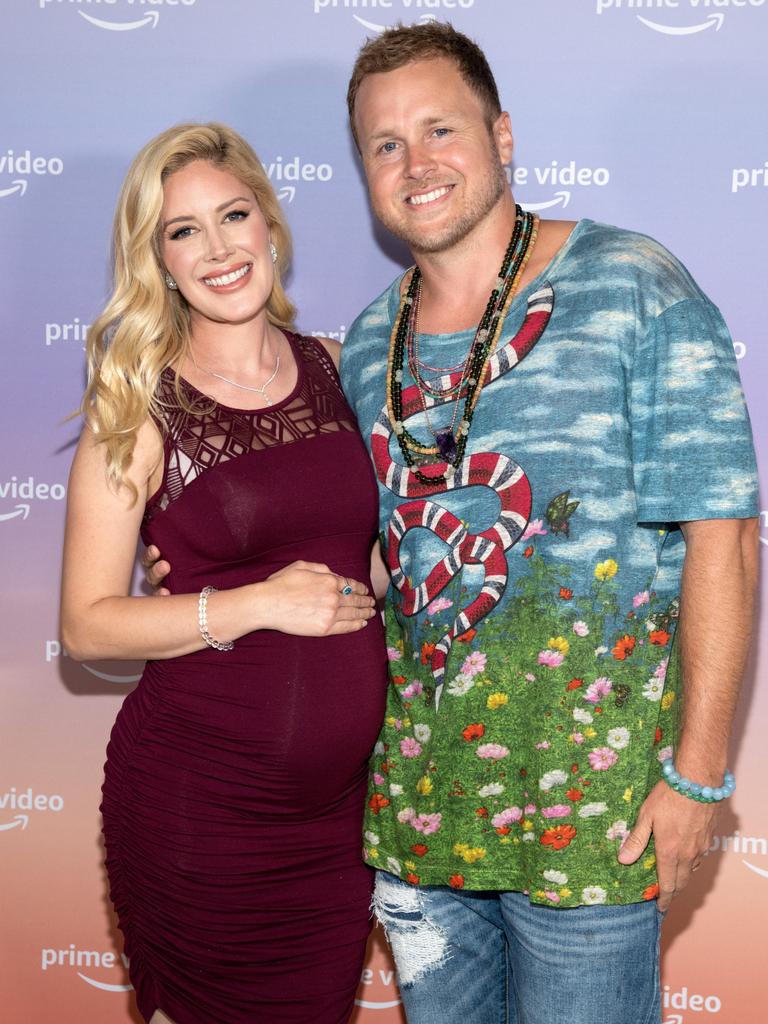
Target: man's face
434,171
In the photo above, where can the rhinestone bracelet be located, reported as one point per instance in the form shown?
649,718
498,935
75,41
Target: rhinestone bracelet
704,794
202,618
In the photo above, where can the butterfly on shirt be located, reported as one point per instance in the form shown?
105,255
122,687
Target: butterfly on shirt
559,512
667,619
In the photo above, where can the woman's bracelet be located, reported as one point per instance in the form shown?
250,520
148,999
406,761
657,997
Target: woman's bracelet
704,794
202,618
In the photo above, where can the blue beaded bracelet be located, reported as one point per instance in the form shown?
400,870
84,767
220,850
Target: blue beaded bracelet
704,794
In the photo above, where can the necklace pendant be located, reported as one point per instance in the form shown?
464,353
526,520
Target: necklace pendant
446,443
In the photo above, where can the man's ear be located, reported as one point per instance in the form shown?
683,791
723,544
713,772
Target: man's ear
502,135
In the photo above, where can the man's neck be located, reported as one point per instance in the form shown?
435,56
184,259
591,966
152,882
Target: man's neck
456,283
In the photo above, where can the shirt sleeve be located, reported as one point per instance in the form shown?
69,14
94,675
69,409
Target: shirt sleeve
348,371
692,450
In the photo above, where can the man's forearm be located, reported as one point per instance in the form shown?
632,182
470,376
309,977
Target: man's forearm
716,612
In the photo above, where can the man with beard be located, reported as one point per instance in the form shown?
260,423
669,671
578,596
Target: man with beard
565,473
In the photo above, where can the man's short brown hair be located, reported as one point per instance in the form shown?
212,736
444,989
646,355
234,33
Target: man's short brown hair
405,43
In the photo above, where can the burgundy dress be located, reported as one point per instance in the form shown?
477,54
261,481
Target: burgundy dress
235,781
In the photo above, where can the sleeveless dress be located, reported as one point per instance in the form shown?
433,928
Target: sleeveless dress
235,781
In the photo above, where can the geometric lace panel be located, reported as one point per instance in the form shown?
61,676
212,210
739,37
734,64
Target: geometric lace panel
199,441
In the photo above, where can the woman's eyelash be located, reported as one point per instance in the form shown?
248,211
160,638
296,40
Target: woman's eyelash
182,232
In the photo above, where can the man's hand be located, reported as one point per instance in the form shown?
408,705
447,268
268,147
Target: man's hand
716,602
155,570
682,830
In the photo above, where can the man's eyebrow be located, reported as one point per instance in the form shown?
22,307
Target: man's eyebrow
223,206
425,122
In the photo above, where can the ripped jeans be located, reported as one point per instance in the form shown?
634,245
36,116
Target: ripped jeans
495,958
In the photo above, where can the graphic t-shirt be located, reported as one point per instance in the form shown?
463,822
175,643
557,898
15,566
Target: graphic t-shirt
532,616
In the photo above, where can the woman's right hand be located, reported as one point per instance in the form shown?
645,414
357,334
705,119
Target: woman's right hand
306,599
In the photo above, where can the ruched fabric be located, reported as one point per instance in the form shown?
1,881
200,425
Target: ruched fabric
235,781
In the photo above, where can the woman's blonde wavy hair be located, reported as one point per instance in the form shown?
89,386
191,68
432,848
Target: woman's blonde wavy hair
145,326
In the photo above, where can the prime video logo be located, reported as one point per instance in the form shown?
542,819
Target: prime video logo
398,7
24,492
554,176
338,335
75,331
20,167
381,979
89,960
283,172
749,177
117,15
708,14
743,846
26,801
685,1000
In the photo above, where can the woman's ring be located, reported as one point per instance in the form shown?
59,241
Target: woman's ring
347,589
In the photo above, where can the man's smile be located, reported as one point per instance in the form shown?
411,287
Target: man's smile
423,198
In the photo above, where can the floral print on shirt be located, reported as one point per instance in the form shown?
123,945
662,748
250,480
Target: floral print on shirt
554,705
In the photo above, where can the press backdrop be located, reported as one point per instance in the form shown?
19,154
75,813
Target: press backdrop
645,113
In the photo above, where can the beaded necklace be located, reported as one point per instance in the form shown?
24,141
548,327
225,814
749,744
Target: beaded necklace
451,442
416,365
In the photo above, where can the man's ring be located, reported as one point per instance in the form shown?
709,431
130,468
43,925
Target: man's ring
347,589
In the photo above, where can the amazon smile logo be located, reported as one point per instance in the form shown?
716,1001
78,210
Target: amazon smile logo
117,15
86,962
369,9
18,168
697,15
559,179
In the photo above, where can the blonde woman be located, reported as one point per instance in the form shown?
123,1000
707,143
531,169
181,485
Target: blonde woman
236,770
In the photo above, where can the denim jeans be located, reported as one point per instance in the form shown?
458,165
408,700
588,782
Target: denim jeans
495,958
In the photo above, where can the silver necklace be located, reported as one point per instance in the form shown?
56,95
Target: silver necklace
261,389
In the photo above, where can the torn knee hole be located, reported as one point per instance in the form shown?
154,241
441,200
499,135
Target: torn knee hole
419,945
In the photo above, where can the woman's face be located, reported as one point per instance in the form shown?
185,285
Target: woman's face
215,244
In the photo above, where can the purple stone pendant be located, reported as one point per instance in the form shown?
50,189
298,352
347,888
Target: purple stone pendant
446,443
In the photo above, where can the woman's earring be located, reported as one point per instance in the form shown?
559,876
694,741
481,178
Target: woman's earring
170,283
273,252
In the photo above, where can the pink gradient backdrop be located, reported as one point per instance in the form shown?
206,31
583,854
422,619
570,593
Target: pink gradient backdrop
668,99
